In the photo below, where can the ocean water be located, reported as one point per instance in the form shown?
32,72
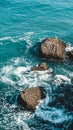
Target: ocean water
23,25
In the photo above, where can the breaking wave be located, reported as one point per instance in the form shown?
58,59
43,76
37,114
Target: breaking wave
18,77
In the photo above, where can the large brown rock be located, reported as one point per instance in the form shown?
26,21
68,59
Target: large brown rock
41,67
30,97
52,48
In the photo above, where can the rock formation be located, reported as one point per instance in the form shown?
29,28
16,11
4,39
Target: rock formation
41,67
52,48
29,98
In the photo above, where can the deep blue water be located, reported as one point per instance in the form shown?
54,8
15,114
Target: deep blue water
23,24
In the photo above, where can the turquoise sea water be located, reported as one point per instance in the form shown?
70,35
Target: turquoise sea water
23,24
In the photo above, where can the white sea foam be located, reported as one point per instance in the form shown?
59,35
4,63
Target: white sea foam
12,118
21,117
15,120
71,74
7,69
5,38
26,37
23,74
12,39
7,80
17,61
59,79
53,115
5,74
21,70
29,78
69,48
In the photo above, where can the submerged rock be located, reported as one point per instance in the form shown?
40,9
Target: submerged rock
41,67
29,98
52,48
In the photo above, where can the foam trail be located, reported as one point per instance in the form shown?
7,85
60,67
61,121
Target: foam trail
11,120
27,38
23,75
5,38
59,79
53,115
7,80
12,39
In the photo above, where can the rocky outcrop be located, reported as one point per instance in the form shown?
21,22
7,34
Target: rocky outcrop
41,67
52,48
30,97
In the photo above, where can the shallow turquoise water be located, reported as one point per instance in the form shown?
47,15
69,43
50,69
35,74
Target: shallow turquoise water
23,24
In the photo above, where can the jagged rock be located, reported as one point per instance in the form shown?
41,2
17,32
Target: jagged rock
29,98
41,67
52,48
